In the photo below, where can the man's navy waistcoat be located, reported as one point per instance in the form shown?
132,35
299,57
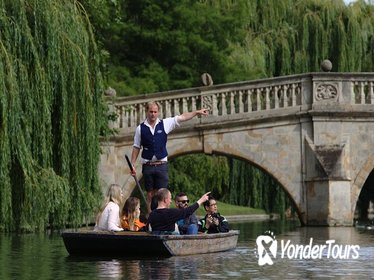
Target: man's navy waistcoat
153,144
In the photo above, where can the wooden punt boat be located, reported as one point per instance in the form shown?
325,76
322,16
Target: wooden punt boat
88,242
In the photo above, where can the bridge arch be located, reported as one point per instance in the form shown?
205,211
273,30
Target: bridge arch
242,158
274,174
361,179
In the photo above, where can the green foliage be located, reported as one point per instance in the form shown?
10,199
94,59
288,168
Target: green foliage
162,45
196,175
51,114
150,79
249,186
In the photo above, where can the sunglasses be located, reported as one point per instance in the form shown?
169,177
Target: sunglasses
184,201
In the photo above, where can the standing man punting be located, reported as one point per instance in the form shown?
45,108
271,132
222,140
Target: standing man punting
151,137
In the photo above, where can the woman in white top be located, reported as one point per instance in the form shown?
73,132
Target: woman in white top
109,215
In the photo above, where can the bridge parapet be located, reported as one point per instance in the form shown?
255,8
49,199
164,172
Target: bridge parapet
343,88
251,98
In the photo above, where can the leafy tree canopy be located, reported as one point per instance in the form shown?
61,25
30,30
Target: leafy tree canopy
161,45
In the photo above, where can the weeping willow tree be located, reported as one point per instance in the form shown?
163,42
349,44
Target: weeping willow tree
249,186
51,113
194,175
287,37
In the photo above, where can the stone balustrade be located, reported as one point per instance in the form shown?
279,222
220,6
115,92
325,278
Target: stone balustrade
272,95
362,92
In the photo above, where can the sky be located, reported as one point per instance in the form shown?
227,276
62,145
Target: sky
350,1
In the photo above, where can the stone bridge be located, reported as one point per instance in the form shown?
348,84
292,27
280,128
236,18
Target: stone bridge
313,133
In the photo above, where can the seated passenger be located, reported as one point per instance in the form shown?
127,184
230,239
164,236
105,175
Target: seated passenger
162,219
154,204
213,222
130,215
187,225
108,216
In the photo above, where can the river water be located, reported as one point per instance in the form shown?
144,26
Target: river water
42,256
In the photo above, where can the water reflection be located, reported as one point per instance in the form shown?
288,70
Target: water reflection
114,269
45,257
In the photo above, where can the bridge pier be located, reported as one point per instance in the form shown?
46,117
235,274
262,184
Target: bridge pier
329,203
328,182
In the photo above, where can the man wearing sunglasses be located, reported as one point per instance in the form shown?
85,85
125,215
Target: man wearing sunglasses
189,224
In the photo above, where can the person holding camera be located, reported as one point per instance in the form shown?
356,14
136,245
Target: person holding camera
213,222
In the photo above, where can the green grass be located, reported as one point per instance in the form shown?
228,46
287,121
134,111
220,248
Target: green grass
231,210
226,209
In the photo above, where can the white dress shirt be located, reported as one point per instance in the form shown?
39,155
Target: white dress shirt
169,125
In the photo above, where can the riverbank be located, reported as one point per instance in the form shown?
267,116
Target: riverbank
251,217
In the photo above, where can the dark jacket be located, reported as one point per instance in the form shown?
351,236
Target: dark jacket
223,225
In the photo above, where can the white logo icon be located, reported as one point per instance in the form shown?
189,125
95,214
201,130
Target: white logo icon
266,248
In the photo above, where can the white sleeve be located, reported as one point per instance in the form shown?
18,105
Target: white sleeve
170,124
113,219
137,138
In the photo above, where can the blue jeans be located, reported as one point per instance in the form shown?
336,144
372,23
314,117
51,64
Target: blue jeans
192,229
